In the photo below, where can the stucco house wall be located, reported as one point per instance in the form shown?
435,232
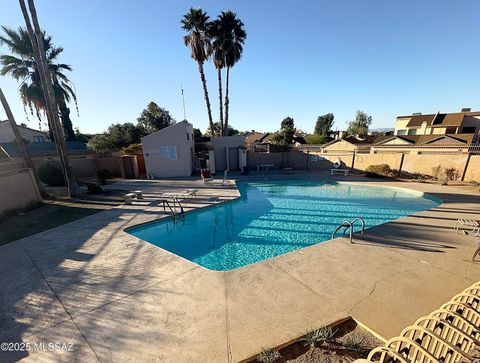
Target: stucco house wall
401,124
170,151
7,135
18,189
339,146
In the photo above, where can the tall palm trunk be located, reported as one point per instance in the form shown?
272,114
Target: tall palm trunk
227,100
36,38
205,92
21,144
220,98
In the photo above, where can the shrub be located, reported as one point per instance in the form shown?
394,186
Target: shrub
103,175
51,174
354,341
318,336
377,171
268,355
451,173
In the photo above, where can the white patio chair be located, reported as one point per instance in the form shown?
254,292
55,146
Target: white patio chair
470,224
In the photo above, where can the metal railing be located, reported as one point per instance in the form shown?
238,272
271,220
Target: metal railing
173,209
349,225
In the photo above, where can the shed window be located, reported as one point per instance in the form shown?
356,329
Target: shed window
168,152
38,139
188,136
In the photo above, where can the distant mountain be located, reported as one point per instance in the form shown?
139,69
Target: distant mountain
385,129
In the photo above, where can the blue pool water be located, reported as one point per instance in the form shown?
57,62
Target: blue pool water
273,218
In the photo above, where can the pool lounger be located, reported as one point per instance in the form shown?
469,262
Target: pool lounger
186,194
471,224
224,183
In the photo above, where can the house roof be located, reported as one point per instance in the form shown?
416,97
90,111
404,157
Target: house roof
448,119
368,140
268,137
426,139
252,137
43,148
177,124
23,127
438,119
452,138
416,121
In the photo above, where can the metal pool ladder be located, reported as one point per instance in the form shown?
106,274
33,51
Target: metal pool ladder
348,225
173,209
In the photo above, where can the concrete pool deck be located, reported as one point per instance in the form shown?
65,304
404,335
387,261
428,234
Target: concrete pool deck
118,298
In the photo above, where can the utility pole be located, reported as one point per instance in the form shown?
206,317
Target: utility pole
183,98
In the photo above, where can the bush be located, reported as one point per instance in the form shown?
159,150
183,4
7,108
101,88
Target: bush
378,171
355,341
51,174
451,173
103,175
268,355
318,336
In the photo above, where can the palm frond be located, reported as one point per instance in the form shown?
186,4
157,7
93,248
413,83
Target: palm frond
21,66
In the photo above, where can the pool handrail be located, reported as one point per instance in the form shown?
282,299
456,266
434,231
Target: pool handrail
349,225
173,209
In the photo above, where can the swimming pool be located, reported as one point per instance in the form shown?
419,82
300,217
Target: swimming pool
273,218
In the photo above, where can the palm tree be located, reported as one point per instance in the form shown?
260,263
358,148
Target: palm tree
234,39
22,67
36,37
216,33
196,24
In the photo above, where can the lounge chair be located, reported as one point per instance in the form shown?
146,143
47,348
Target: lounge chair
225,181
471,224
185,194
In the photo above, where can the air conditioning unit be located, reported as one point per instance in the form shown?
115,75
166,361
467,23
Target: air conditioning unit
416,114
466,109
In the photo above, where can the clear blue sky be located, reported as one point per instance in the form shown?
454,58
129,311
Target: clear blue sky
301,59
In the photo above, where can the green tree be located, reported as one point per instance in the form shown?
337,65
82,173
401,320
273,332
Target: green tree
21,66
360,125
82,137
154,118
197,134
324,124
117,136
217,131
315,139
196,24
228,37
288,130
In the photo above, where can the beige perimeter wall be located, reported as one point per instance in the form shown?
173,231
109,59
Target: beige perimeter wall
412,163
17,189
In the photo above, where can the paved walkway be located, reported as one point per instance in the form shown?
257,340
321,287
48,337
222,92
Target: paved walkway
119,299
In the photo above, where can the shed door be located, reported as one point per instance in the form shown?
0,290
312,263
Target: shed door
233,158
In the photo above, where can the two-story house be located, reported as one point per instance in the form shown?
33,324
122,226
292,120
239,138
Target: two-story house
464,122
